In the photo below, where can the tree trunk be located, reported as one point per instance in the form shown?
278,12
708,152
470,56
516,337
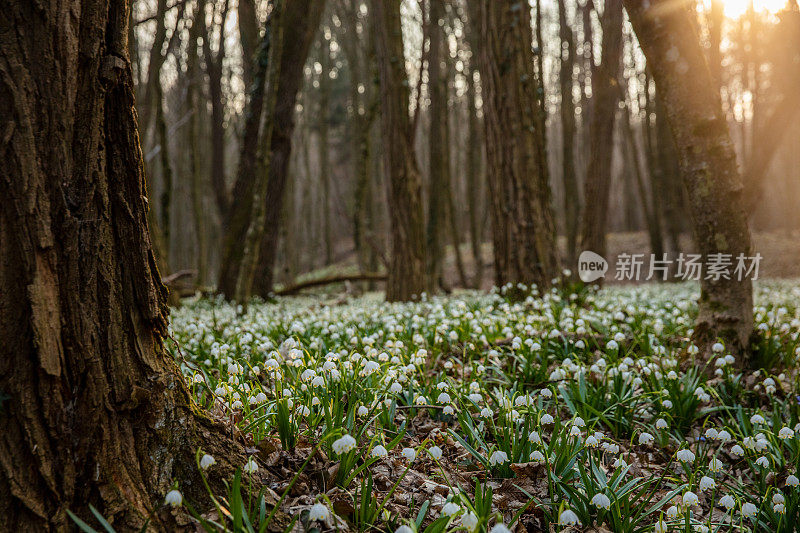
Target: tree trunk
303,18
324,145
605,96
522,219
572,206
193,109
707,162
437,162
95,411
255,230
213,63
248,35
669,176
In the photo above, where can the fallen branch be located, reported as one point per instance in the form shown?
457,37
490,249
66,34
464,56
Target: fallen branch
294,289
177,276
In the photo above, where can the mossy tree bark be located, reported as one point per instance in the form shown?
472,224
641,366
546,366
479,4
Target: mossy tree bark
706,159
94,411
522,218
406,272
572,205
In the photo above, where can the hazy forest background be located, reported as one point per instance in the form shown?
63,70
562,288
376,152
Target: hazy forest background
193,65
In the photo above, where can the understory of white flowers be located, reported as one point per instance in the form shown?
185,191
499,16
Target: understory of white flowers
472,412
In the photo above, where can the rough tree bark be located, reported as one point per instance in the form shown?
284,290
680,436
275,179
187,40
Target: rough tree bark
94,411
707,162
406,272
522,220
605,96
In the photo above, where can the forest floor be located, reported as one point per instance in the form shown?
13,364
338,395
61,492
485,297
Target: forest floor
468,411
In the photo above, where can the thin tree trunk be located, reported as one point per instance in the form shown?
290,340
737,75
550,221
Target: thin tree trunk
248,35
707,163
669,175
255,230
303,18
406,273
166,169
605,96
522,219
572,206
96,412
324,146
214,64
437,162
193,104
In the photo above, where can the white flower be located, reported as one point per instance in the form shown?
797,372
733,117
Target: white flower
660,527
319,512
715,465
568,518
409,453
487,413
661,424
546,419
363,411
792,481
749,510
592,442
727,502
251,467
379,451
500,528
174,498
685,455
690,499
537,457
737,451
534,438
404,529
757,419
469,521
778,498
646,439
779,508
672,511
762,462
344,444
443,398
498,458
601,500
785,433
717,347
667,404
435,452
207,461
450,508
707,483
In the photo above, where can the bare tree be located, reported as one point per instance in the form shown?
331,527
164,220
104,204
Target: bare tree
522,220
406,273
605,96
707,162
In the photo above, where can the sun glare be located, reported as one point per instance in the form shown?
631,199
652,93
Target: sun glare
736,8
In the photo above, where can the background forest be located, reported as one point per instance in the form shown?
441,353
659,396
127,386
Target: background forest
328,212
